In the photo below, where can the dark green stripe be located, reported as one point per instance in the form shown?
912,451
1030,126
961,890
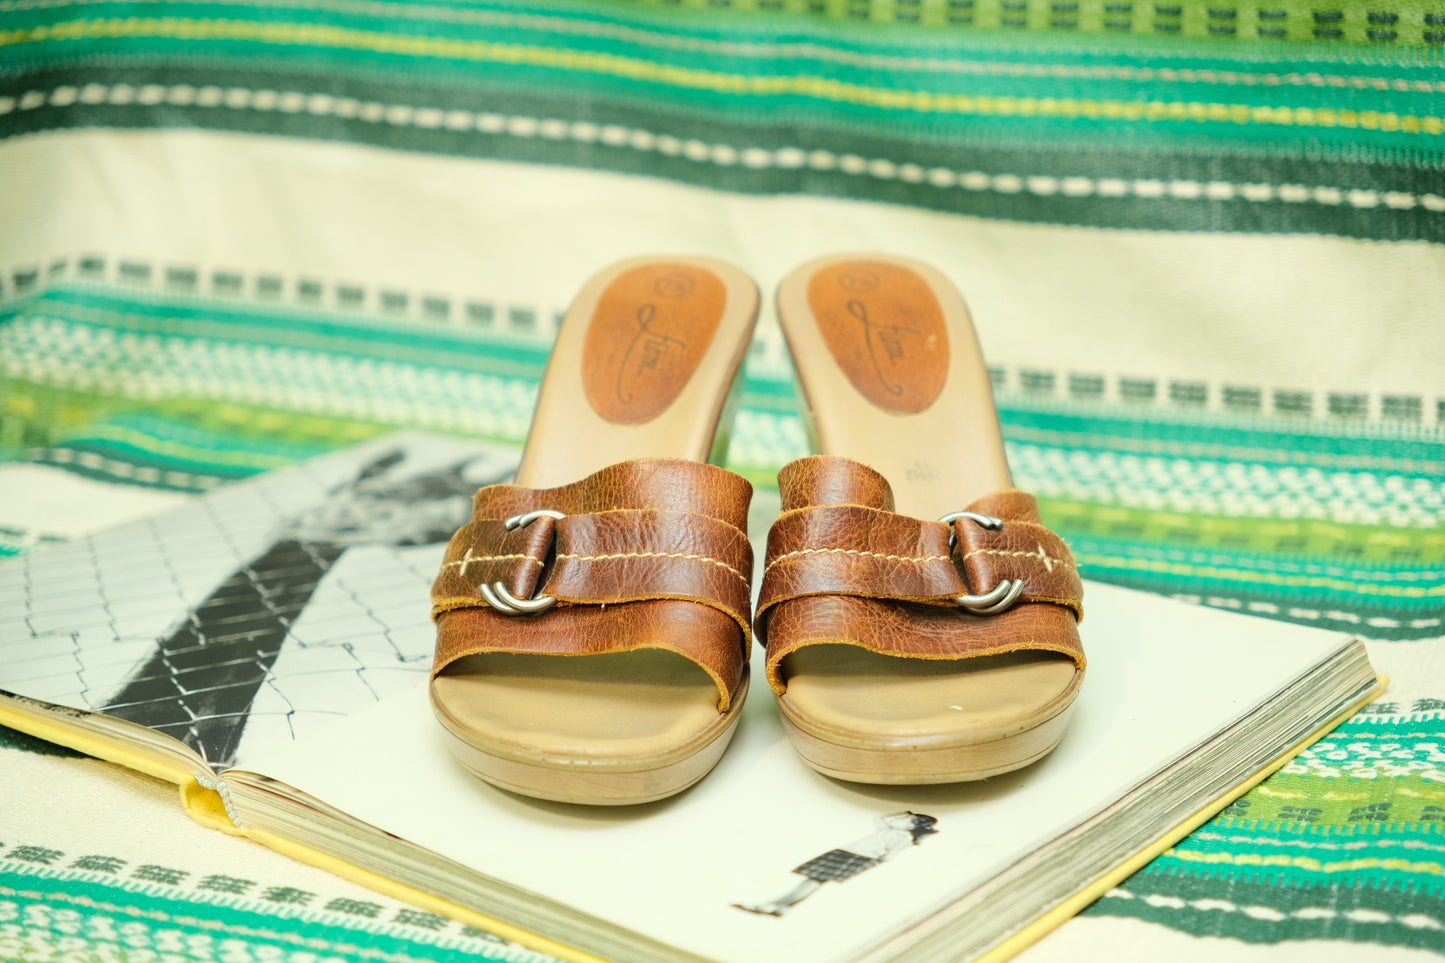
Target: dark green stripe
1274,216
1382,24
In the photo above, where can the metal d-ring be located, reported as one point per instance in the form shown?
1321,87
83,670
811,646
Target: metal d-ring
1002,595
498,596
527,518
984,521
995,600
505,602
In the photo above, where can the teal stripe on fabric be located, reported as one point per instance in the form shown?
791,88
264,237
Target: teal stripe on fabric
343,334
1396,586
177,385
63,910
607,18
1095,97
1172,432
213,446
1372,736
89,313
1055,24
1261,912
1401,870
132,451
1370,602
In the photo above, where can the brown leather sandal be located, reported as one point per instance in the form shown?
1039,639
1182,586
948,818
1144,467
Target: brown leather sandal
923,631
592,634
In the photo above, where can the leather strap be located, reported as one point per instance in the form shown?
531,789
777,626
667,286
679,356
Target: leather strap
650,553
1023,549
843,567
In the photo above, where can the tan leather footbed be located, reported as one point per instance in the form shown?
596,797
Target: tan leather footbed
892,376
542,707
938,457
642,367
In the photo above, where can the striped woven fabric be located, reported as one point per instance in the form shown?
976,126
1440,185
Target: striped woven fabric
1203,243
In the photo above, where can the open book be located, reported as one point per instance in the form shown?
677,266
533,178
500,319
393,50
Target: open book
267,646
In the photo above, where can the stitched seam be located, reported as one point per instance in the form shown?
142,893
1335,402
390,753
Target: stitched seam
1040,555
467,559
918,560
696,558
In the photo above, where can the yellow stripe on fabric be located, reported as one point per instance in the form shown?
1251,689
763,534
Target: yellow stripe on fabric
155,445
320,35
1307,863
1271,578
661,37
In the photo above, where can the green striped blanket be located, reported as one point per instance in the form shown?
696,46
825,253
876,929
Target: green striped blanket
1203,243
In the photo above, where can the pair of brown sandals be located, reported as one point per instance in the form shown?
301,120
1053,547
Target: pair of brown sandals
594,618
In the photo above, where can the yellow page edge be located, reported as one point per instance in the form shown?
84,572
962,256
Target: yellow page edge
420,898
1070,907
42,725
205,807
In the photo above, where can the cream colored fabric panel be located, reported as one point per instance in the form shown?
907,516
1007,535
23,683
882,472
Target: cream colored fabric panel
49,502
1298,313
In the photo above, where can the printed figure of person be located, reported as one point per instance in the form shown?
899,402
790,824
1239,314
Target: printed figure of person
895,833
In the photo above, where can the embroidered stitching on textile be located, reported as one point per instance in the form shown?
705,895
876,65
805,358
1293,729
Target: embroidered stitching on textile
725,155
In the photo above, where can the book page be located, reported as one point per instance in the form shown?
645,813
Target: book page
1163,677
257,613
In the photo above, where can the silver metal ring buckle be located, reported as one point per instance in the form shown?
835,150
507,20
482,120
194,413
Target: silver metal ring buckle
1001,596
995,600
497,594
983,521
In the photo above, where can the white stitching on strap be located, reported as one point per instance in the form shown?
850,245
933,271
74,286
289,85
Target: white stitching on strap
697,558
1041,555
855,551
467,559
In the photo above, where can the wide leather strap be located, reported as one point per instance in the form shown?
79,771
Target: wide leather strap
843,567
650,553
